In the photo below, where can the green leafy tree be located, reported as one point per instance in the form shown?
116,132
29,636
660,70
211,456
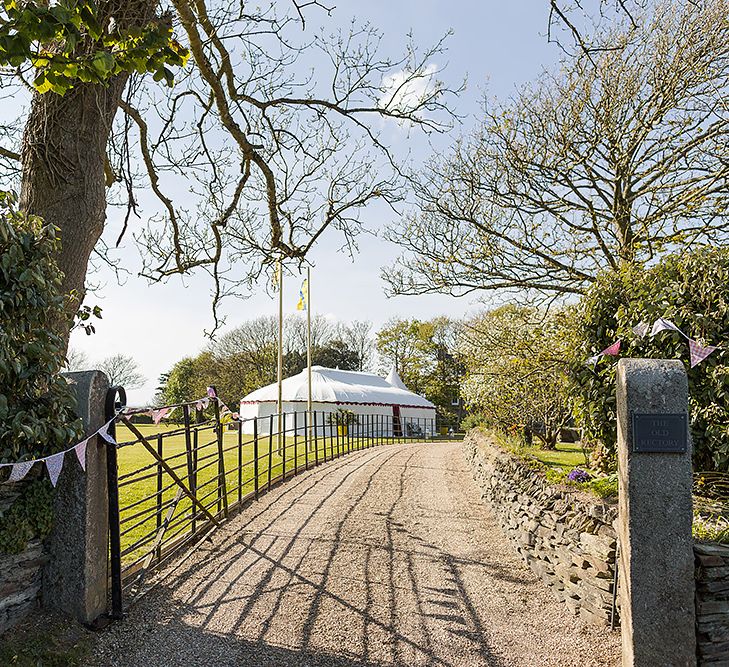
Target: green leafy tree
75,41
425,356
691,290
517,371
188,379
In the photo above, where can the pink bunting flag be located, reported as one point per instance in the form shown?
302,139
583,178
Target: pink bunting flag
641,329
211,392
55,465
613,350
104,433
698,352
159,415
662,324
80,450
20,470
202,404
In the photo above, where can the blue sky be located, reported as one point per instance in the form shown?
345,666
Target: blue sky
496,44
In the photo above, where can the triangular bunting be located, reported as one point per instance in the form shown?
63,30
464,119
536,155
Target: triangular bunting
698,352
104,433
211,392
80,450
662,324
20,470
55,465
641,329
159,415
613,350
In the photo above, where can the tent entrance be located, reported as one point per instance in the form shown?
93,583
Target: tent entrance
396,423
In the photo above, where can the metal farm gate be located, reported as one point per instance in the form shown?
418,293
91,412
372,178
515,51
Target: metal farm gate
170,483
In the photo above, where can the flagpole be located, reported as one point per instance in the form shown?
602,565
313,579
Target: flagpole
308,347
280,354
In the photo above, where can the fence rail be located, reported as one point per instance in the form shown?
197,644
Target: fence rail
170,484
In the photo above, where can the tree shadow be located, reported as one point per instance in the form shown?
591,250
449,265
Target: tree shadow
291,582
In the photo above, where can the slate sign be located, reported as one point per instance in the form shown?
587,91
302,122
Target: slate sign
660,432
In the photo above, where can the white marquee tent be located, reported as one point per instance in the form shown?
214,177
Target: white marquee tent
384,405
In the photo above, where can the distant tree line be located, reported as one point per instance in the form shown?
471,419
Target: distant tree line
245,358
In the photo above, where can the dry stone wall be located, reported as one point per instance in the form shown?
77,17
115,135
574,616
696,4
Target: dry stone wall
567,539
20,574
712,603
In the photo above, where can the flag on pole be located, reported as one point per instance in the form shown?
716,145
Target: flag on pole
698,352
303,303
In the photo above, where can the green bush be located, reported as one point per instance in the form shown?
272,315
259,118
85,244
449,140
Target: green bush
36,404
692,290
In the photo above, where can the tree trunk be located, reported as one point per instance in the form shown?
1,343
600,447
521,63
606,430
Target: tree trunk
63,158
64,154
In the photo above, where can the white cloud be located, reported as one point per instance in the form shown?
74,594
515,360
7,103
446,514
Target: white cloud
405,90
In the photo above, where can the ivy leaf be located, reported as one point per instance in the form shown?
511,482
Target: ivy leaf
104,63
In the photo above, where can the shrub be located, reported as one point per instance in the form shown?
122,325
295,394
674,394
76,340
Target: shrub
36,403
692,290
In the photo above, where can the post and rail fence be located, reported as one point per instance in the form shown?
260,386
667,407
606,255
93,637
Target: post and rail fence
171,484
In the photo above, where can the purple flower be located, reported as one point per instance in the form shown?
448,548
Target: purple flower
580,476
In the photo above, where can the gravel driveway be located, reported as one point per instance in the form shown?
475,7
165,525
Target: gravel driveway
384,557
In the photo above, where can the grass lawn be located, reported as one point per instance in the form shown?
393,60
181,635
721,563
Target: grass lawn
567,456
139,478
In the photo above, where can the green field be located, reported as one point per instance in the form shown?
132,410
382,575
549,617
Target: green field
140,477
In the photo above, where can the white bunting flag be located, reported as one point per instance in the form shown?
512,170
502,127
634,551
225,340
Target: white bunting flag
20,470
55,465
159,415
641,329
593,360
104,433
80,450
698,352
662,324
202,404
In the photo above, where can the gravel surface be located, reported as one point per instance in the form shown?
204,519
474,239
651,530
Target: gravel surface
384,557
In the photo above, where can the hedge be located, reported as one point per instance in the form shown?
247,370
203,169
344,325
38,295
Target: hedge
692,290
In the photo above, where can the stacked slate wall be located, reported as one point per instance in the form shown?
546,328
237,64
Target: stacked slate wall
566,538
712,603
20,574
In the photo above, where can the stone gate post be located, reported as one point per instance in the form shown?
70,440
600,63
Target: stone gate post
656,568
75,579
